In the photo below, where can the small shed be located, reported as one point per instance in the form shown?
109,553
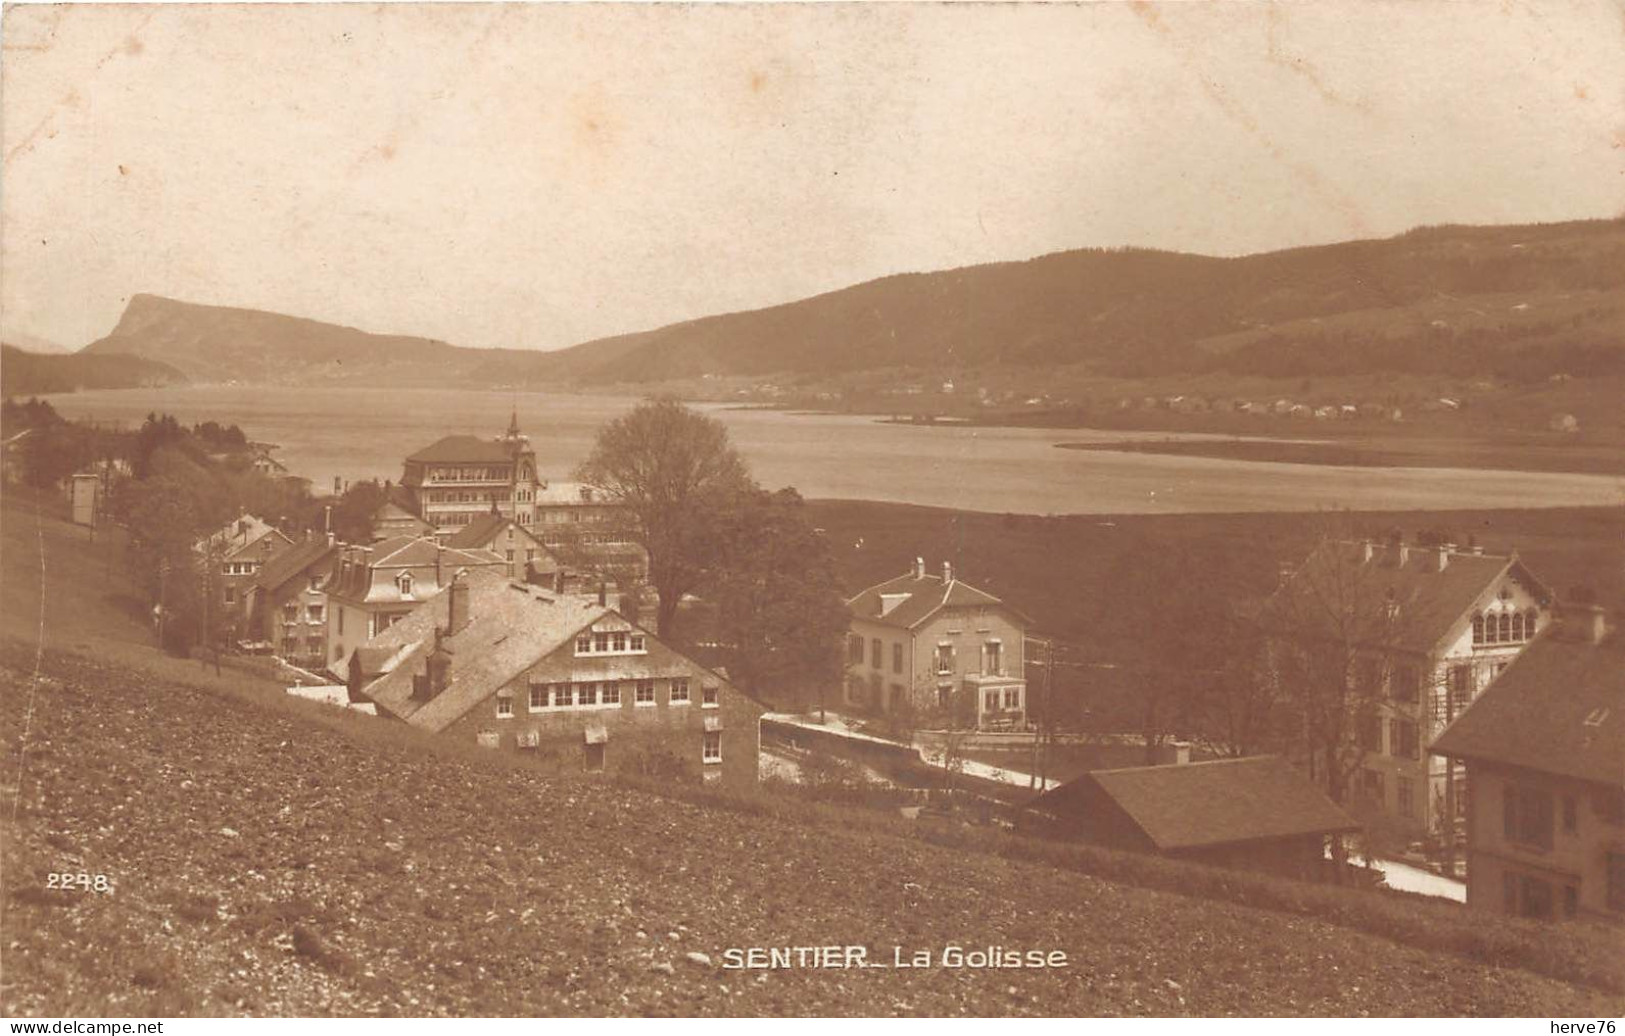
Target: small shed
1254,813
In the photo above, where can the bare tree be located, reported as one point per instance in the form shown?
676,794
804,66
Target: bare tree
666,468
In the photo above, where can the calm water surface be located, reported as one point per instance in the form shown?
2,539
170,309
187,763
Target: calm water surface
365,433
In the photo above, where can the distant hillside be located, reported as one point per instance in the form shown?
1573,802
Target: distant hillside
1433,299
1521,302
226,343
28,374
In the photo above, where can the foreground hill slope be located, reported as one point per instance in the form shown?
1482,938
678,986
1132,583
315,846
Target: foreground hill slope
266,863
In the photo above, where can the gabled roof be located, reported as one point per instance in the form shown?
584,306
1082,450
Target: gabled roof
512,626
1431,602
482,532
469,449
289,562
1222,801
925,596
1558,709
357,580
237,534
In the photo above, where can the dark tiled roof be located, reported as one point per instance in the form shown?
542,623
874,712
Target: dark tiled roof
1222,801
464,448
479,533
926,595
1558,709
291,561
1431,602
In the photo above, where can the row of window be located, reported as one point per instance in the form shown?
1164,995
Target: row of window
594,754
617,642
313,612
604,694
942,661
1376,789
1011,699
465,496
1505,627
240,568
500,474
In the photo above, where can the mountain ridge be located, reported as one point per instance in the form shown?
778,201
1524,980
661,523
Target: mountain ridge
1440,298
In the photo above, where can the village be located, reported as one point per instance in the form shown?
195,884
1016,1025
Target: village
1460,722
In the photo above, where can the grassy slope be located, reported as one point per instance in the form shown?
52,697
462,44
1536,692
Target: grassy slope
273,857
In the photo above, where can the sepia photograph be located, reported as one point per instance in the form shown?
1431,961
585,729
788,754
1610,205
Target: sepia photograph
1105,510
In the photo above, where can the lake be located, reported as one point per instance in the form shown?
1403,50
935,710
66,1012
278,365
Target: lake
356,433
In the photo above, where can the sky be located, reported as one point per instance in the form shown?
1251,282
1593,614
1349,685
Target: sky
533,176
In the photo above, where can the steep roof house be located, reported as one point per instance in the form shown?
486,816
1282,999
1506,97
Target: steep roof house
1425,629
233,554
1544,749
526,556
938,647
375,586
398,516
1255,813
286,607
503,664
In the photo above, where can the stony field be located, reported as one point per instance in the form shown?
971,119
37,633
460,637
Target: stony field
267,860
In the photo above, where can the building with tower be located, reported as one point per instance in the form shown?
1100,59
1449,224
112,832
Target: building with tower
461,479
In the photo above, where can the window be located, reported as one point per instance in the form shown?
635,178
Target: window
1374,788
1370,730
990,701
874,653
1402,739
563,695
711,749
612,693
709,695
1517,625
587,694
992,653
1571,815
646,692
1478,629
637,642
1459,684
679,692
341,623
315,612
1506,627
1403,686
897,658
617,641
1531,620
403,583
1012,697
945,659
538,697
290,612
1405,791
584,644
600,642
1526,816
231,595
505,705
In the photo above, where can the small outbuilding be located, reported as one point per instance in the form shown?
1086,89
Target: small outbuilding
1255,813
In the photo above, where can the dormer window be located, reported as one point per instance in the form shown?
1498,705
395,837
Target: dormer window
403,583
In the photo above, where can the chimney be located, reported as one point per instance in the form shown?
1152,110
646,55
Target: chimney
439,669
919,568
1402,554
558,581
603,594
1441,556
330,537
1367,550
947,572
457,604
327,520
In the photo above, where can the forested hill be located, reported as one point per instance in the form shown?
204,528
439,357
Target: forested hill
1438,298
1523,302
